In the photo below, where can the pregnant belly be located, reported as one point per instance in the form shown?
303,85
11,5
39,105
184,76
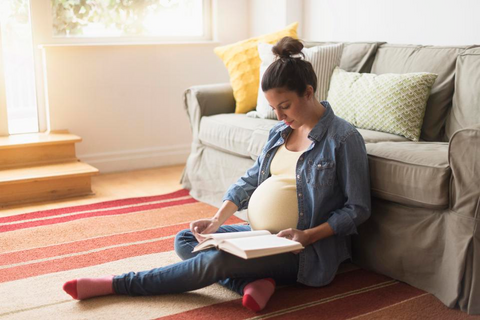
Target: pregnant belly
273,206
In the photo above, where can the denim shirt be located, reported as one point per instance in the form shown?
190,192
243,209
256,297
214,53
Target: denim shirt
333,185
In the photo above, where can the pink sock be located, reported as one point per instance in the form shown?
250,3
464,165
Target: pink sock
257,293
84,288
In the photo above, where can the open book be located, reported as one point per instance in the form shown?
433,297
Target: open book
248,244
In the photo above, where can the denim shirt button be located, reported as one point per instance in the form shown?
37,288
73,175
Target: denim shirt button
300,195
268,155
263,172
301,158
298,176
301,214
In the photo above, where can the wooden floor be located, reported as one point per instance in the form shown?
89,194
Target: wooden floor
112,186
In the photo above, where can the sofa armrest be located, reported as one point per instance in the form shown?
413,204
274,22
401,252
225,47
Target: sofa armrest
464,159
206,100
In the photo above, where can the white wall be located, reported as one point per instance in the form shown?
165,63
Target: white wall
266,16
125,101
429,22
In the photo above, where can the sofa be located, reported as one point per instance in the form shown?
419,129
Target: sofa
424,228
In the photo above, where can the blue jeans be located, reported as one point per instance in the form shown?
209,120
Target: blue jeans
201,269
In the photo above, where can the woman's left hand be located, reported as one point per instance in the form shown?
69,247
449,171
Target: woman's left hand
295,235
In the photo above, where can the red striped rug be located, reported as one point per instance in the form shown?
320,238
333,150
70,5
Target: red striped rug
41,250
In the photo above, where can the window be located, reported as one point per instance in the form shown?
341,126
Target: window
165,19
67,22
18,66
71,22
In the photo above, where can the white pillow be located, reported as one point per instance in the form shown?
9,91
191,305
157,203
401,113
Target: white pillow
324,59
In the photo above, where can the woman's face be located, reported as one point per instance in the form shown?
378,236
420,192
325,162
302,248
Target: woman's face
288,106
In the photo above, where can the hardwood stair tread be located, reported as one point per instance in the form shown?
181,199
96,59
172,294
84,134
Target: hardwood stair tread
46,172
37,139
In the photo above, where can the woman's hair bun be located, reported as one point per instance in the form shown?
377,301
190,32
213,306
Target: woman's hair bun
290,70
287,47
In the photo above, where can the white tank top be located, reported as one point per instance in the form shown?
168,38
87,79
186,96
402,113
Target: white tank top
273,206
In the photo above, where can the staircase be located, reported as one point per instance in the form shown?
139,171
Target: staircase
39,167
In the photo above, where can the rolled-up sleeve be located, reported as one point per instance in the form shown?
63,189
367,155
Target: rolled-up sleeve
354,179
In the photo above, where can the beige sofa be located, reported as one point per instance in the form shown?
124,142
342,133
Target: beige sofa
424,228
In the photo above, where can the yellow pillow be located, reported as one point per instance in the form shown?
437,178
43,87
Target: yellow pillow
243,65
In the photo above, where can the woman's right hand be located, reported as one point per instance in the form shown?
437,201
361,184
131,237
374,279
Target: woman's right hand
204,226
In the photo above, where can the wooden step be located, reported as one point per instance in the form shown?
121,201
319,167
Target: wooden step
15,141
46,172
45,182
20,150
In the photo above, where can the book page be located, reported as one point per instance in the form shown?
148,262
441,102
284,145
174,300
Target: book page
213,239
265,242
234,235
209,243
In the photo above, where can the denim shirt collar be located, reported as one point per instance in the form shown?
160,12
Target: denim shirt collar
320,128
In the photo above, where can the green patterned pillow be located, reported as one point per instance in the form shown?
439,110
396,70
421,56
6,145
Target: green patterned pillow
393,103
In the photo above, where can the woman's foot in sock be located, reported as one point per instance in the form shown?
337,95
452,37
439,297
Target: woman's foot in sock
257,293
84,288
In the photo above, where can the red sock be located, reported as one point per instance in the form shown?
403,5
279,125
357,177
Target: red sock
257,293
84,288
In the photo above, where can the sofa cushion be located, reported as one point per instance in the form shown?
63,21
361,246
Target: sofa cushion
410,173
371,136
244,136
232,132
259,138
465,111
415,58
356,56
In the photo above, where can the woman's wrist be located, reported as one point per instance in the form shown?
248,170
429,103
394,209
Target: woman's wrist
227,209
318,233
216,221
309,237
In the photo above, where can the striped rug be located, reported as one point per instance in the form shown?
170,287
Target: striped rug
39,251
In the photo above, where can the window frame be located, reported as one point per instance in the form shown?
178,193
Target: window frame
3,98
42,25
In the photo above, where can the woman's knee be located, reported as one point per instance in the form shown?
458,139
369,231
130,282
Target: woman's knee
220,264
184,243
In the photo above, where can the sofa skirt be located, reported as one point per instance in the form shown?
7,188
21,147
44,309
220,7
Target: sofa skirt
433,250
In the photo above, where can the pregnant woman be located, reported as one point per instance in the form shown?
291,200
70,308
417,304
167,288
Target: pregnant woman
310,184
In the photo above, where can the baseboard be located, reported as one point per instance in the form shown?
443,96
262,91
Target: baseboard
127,160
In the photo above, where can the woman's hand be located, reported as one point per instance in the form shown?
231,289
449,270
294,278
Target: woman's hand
204,226
295,235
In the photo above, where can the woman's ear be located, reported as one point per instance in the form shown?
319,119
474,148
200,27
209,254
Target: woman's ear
309,92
